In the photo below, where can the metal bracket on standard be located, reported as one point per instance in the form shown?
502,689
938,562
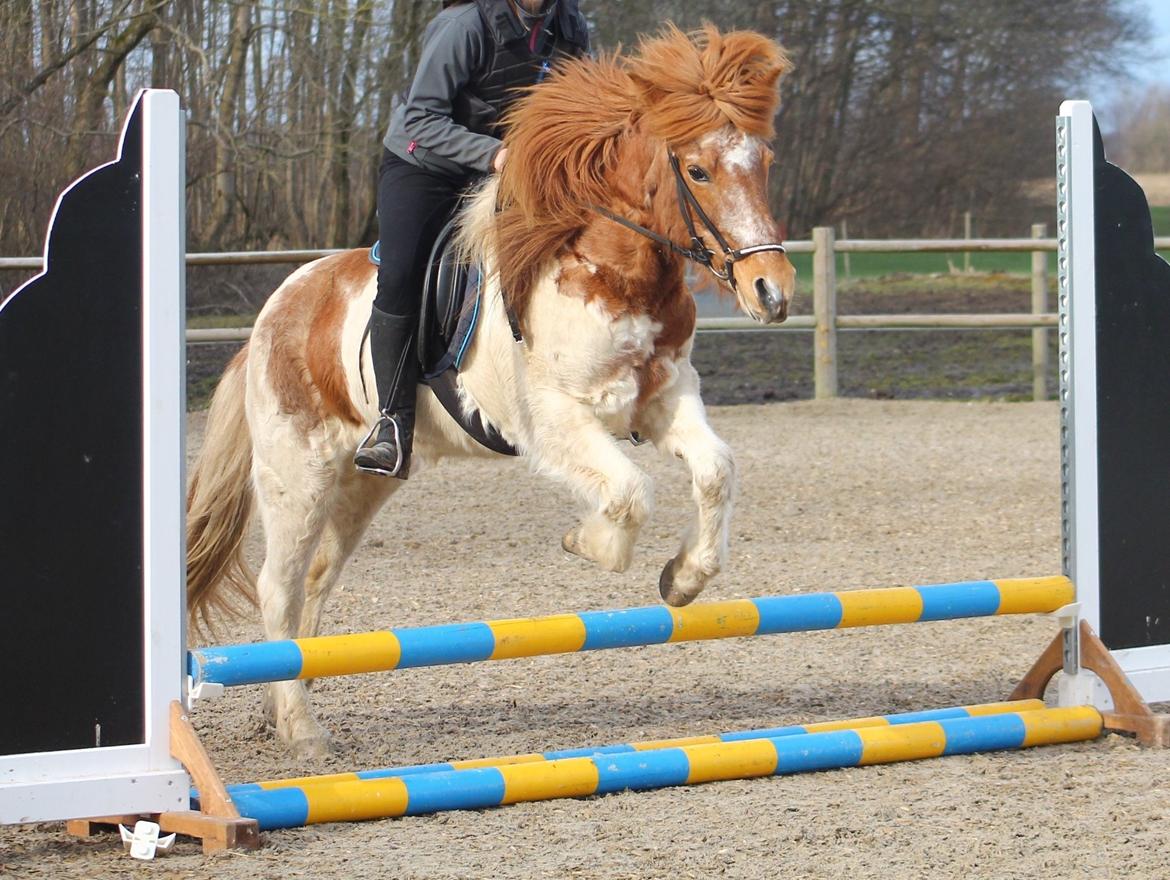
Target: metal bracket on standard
205,690
217,823
1078,647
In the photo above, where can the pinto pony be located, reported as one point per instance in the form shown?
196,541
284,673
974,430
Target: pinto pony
618,170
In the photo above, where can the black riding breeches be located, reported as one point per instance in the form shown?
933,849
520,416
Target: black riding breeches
413,206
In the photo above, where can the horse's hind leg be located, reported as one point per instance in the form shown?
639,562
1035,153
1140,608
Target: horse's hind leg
292,498
353,504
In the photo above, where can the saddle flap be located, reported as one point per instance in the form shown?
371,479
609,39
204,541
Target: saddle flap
444,294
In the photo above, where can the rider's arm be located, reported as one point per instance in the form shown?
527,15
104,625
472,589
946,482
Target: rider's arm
449,58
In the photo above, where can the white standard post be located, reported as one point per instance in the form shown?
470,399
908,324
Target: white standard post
1076,295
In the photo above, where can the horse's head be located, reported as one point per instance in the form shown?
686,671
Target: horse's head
671,137
710,99
726,174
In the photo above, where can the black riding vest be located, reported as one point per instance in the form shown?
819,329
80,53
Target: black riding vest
514,62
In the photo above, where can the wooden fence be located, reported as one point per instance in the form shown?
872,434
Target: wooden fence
824,323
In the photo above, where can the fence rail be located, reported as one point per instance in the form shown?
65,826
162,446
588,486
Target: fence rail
824,322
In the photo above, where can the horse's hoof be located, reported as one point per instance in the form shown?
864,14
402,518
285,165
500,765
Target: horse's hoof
666,587
312,747
570,543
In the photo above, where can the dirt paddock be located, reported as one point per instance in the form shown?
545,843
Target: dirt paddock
832,496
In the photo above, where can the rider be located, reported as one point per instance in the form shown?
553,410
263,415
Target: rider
475,57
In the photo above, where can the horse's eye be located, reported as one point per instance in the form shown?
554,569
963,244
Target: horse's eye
698,175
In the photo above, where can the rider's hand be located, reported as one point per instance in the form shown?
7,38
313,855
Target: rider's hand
499,159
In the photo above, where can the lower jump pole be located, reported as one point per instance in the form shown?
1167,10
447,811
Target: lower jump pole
481,787
595,630
595,751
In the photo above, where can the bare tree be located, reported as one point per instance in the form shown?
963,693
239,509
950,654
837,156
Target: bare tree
900,114
1140,139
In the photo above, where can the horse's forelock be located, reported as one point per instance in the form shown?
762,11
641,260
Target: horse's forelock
693,84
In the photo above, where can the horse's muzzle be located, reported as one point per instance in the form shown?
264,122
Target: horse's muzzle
773,300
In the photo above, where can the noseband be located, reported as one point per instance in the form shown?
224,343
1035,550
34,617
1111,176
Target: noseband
698,251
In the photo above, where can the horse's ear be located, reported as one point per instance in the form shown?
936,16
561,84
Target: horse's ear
646,93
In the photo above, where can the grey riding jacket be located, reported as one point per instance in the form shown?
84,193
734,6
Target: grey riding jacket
474,58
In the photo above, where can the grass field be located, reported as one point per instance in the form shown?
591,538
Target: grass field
878,265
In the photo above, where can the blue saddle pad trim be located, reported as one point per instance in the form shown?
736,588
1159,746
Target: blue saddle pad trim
468,320
465,329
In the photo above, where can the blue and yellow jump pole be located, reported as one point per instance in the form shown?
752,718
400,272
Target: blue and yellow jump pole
595,630
303,802
621,748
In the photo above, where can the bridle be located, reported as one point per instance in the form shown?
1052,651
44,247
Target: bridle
698,251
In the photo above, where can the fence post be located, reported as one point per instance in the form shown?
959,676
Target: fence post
1039,307
845,256
967,235
825,312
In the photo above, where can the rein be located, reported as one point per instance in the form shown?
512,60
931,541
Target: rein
699,252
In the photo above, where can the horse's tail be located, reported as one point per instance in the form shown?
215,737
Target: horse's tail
219,505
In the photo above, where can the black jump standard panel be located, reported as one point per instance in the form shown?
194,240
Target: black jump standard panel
1114,296
91,493
71,438
1133,413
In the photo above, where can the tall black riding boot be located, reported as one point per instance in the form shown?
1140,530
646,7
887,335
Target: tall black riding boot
386,449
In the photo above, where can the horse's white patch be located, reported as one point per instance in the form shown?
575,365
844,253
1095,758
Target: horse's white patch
737,149
635,335
745,226
746,154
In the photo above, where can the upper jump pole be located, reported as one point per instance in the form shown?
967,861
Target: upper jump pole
597,630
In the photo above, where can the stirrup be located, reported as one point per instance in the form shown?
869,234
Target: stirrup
365,444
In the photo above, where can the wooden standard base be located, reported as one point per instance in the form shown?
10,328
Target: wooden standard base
217,832
219,825
1130,713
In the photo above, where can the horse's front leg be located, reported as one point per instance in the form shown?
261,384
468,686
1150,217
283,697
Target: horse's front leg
571,443
677,423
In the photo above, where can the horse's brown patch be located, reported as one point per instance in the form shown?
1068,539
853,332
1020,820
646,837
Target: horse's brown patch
303,334
653,375
323,352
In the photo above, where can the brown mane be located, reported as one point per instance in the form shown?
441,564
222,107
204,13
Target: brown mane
566,135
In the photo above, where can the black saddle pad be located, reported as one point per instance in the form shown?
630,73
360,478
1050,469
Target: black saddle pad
449,306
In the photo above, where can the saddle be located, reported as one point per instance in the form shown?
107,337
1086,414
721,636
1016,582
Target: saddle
451,300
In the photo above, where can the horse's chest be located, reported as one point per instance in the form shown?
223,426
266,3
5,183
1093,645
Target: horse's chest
635,369
613,359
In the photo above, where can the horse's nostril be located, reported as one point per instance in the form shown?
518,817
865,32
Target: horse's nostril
763,293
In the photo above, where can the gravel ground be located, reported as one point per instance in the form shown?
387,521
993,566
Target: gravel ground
832,496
